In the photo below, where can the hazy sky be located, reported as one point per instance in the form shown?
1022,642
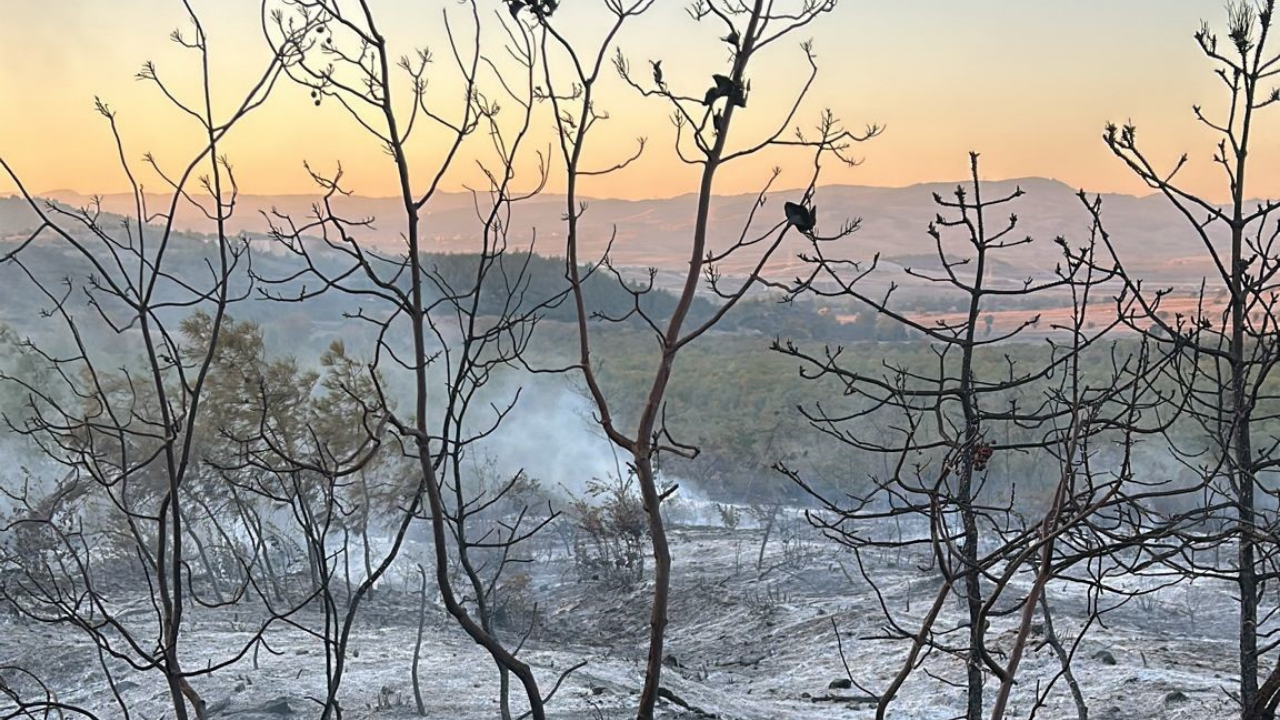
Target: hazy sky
1029,83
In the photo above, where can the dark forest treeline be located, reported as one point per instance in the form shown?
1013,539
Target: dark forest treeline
314,323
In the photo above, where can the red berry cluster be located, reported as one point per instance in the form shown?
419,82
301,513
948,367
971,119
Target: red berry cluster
981,455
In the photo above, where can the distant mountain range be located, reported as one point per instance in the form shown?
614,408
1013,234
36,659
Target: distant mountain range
1153,237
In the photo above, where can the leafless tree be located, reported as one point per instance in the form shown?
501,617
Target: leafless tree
127,438
1228,348
447,338
704,119
955,414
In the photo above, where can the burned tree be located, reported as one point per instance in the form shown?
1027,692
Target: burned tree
998,453
127,508
703,126
444,335
1227,341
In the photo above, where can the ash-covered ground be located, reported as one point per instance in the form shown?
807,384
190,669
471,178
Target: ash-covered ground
747,640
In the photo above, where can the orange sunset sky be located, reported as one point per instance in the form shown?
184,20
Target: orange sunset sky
1029,83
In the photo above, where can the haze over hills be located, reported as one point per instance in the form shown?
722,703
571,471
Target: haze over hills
1153,236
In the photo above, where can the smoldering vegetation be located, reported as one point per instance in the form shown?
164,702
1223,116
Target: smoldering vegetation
805,567
295,472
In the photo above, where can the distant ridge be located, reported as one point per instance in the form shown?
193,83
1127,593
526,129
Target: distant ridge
655,232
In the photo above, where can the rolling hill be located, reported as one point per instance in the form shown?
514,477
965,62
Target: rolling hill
1152,235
